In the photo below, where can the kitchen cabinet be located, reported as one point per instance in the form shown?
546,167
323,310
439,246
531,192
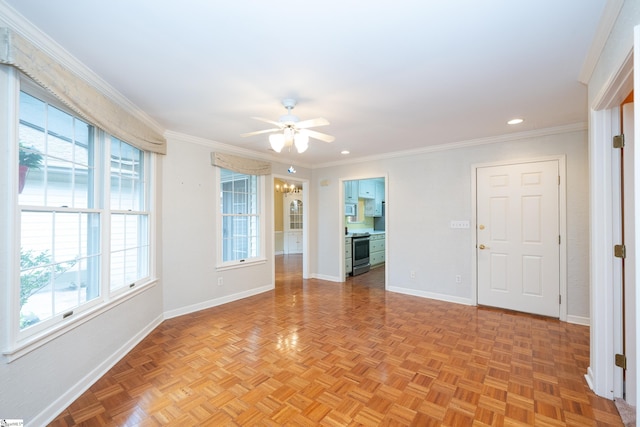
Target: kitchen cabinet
351,189
367,189
376,249
373,207
348,259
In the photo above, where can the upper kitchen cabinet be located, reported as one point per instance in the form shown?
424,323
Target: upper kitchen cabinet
373,207
351,192
367,189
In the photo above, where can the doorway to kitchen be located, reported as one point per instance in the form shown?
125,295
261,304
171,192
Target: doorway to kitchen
364,213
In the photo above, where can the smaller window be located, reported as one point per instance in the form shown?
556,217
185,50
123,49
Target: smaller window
240,217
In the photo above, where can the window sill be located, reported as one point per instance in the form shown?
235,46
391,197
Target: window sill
32,343
234,265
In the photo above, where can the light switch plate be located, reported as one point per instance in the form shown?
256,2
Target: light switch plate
459,224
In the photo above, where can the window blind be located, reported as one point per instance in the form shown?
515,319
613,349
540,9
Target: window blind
240,164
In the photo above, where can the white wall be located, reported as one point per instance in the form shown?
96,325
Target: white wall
189,231
426,191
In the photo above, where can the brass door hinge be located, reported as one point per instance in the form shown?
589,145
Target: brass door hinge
618,141
621,361
620,251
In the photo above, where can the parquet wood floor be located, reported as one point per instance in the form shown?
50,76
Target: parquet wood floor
320,353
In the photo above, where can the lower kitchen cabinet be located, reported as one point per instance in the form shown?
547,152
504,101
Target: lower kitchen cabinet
376,249
348,259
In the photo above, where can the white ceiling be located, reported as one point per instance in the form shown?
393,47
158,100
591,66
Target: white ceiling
388,75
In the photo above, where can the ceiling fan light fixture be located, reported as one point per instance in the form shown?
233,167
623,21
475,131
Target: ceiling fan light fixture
302,142
277,142
288,135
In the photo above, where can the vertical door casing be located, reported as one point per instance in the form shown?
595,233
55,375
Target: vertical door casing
630,268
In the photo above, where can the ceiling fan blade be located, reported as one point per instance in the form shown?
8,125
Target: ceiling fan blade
271,122
312,123
258,132
317,135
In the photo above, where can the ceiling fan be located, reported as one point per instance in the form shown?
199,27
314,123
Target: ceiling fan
291,131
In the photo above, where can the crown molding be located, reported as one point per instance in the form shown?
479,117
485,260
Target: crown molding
607,21
510,137
10,18
227,148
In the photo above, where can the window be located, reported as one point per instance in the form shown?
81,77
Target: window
240,222
67,263
129,218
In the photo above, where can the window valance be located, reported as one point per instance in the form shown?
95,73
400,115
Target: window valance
241,164
76,93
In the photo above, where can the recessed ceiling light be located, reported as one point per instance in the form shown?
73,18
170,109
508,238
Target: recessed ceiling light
515,121
344,152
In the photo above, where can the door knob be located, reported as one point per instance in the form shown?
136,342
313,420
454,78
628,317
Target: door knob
483,247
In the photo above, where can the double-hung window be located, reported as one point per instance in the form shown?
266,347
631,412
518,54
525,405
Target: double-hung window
83,203
240,225
60,213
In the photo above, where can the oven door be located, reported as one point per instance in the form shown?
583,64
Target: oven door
360,254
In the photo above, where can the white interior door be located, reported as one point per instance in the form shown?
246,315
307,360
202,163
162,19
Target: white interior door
518,231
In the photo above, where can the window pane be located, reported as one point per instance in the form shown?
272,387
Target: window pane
59,263
56,157
127,184
129,249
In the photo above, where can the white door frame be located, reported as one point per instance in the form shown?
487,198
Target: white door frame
562,207
606,334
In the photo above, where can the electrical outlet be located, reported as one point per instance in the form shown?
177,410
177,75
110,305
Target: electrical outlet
458,279
412,274
219,281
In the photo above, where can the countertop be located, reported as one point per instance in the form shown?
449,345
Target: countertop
364,230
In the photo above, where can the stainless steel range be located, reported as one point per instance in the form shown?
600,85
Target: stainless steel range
360,253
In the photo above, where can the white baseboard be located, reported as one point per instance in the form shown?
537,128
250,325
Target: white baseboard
579,320
215,302
430,295
327,278
589,378
66,399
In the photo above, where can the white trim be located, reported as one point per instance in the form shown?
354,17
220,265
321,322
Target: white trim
578,320
601,257
607,21
601,374
562,215
67,398
327,277
216,302
509,137
431,295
